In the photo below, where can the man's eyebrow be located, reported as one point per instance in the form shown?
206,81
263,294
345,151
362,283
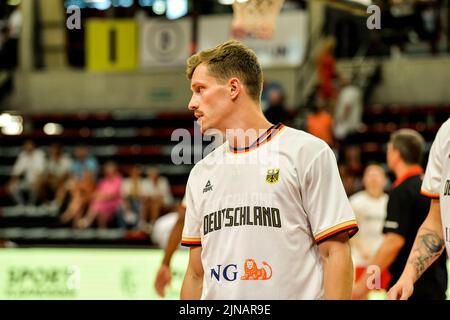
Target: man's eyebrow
196,84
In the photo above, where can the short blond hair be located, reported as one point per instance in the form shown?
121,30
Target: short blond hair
231,59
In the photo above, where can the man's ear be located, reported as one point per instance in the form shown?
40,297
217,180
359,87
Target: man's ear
235,87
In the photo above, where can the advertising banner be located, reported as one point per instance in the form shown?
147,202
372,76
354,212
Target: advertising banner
86,274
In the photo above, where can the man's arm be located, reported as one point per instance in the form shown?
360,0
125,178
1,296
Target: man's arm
163,277
383,258
427,248
175,237
193,280
338,267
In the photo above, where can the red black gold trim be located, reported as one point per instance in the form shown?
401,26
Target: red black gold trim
351,227
429,195
263,139
191,242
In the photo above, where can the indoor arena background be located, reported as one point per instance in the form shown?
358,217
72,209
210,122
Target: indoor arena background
106,77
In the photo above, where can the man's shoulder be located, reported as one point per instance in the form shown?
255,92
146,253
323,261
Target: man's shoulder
210,159
303,139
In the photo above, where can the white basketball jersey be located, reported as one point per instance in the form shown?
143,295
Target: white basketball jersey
436,183
259,215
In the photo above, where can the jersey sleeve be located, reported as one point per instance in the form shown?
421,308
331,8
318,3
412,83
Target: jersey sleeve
325,200
432,180
193,222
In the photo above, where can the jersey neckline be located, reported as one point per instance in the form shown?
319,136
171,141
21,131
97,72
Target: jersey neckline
262,139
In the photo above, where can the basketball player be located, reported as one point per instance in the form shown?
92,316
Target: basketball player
164,276
434,233
267,217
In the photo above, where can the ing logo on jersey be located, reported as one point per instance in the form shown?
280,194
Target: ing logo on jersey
252,272
272,176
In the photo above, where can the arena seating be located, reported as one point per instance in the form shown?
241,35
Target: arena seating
145,138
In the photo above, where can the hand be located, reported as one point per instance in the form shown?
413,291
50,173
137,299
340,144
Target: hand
163,278
402,290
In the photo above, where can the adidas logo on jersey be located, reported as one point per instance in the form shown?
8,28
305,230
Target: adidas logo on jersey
208,187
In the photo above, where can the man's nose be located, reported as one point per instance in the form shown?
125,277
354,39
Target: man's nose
193,104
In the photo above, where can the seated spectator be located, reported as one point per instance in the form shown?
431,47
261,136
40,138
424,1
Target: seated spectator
159,197
81,192
26,174
106,199
81,185
83,161
134,190
56,175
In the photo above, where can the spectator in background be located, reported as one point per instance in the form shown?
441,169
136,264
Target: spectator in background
15,22
26,174
81,184
348,112
326,73
159,198
428,23
106,199
320,124
276,111
57,173
347,120
83,161
351,182
134,190
370,207
268,86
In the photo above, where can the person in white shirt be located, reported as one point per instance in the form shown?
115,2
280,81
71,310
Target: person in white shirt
267,217
433,237
348,111
158,195
57,172
26,174
134,190
369,206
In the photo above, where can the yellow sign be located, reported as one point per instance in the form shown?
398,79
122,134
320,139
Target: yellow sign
111,45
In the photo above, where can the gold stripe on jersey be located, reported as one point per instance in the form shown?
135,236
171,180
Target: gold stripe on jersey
191,241
429,194
350,226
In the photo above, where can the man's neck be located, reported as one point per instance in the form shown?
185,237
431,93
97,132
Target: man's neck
402,169
246,129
